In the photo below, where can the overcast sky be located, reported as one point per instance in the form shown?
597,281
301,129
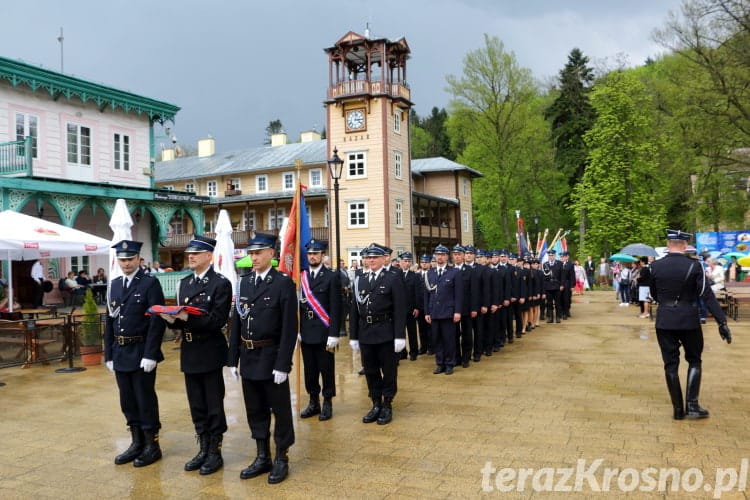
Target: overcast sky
233,66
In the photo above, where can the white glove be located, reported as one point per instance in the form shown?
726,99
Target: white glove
399,345
332,343
279,377
354,344
110,366
148,365
233,371
299,337
167,317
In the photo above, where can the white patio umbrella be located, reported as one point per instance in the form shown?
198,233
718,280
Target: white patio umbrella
23,237
224,251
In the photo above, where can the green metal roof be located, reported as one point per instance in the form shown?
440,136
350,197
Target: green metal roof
60,85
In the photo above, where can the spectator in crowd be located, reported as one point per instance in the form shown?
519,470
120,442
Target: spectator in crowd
716,273
733,271
624,287
602,273
581,279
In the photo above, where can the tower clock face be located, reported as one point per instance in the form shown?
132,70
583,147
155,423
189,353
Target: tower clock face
355,119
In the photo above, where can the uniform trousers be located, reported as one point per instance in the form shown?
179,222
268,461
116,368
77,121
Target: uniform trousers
319,363
478,327
444,341
516,313
566,297
553,303
669,343
205,393
411,334
263,397
504,325
138,398
425,337
464,339
380,363
489,325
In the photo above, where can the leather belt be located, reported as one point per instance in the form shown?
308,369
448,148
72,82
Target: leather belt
121,340
255,344
190,336
377,318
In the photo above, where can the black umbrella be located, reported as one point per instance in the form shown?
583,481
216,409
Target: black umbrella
639,249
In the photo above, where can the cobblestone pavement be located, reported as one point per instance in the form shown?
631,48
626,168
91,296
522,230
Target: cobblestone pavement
587,394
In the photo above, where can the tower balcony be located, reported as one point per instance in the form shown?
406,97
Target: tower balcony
361,88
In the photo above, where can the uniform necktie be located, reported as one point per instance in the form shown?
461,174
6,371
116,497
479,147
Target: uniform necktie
372,277
127,282
313,273
440,272
258,281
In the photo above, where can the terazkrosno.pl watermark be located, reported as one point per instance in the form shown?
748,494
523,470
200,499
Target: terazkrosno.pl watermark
591,476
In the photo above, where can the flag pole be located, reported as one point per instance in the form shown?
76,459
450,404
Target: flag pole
295,273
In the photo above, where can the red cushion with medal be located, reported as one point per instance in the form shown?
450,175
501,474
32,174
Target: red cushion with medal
175,310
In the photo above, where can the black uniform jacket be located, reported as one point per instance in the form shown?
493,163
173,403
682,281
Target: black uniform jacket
676,283
378,312
413,291
326,287
267,313
553,275
443,295
127,318
208,349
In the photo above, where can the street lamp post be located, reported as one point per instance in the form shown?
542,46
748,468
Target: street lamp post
335,166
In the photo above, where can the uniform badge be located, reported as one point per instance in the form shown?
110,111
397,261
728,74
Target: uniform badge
186,300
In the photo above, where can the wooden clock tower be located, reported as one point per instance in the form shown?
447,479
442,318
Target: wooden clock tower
367,120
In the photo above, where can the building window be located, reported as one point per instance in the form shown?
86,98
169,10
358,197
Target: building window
190,187
211,188
326,220
399,213
177,226
276,218
397,164
356,165
79,144
235,184
27,125
397,115
249,217
78,264
316,178
466,187
287,181
357,213
261,183
465,221
209,226
122,152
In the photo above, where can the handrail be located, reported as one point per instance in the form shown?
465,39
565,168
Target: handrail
16,158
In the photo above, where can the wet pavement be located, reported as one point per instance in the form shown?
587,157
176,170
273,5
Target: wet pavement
586,395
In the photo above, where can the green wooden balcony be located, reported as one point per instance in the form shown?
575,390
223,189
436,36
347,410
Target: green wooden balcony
16,158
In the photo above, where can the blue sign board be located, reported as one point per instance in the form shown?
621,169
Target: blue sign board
724,242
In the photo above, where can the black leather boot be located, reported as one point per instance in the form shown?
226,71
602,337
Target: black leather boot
313,408
196,462
135,448
550,317
214,460
151,452
675,393
694,410
262,462
326,411
374,412
386,413
280,469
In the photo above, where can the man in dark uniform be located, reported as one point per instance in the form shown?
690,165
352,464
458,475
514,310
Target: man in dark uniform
412,295
132,348
376,326
519,282
425,337
203,350
320,319
262,340
442,303
469,306
568,283
552,272
677,282
482,298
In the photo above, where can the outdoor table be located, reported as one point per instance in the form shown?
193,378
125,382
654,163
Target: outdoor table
31,343
34,313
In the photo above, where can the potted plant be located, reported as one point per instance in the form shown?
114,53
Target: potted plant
89,332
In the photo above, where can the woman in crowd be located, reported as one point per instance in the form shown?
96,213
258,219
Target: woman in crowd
580,273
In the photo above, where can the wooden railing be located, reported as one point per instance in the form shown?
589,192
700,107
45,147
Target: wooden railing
16,158
359,87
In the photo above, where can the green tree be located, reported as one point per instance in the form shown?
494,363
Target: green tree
274,127
621,189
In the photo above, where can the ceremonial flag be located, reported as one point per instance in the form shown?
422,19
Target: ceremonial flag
291,238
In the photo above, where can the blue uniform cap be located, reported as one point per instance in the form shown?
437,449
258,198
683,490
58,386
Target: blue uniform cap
126,249
261,241
564,254
470,249
458,249
676,234
494,253
425,258
441,249
406,256
316,246
502,252
551,251
374,250
201,244
480,253
512,256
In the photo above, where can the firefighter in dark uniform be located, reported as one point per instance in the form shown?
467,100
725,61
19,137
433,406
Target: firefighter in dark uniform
203,351
677,282
132,348
481,298
519,284
425,337
413,293
469,306
552,272
320,320
443,302
376,326
568,282
262,341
